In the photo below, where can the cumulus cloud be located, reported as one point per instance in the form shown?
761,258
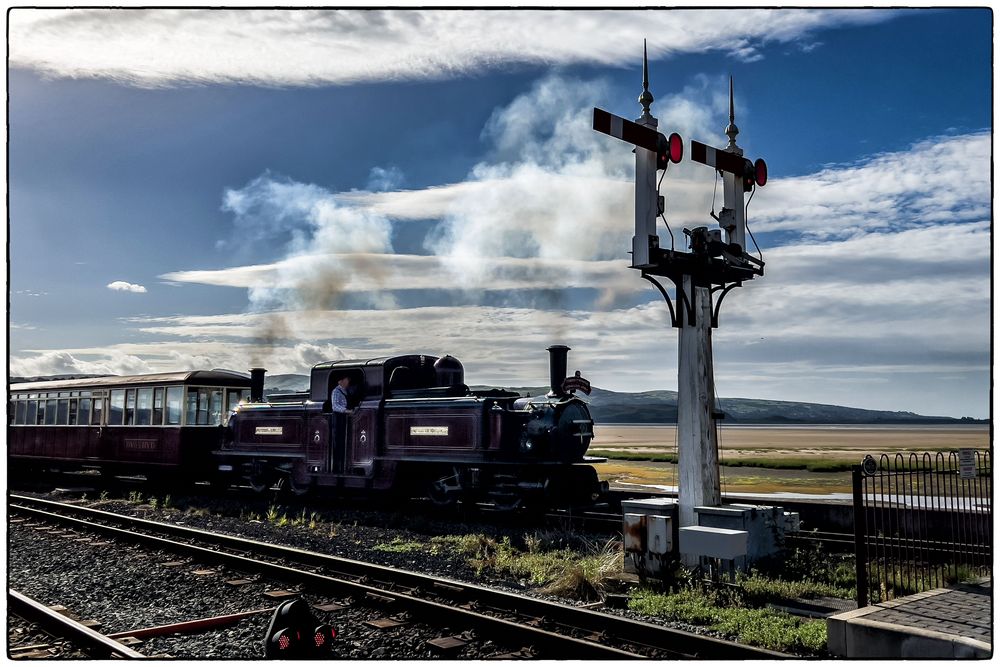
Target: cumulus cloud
294,47
123,286
62,362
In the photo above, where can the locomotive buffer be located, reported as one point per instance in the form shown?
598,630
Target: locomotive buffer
712,268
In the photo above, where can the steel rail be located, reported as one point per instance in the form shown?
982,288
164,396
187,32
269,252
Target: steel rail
670,641
92,642
549,643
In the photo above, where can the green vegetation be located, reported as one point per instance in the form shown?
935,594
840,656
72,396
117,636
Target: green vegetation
546,560
135,497
399,546
766,628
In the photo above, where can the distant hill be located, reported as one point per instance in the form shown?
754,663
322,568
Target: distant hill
660,407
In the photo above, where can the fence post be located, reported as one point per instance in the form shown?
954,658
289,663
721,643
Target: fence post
860,552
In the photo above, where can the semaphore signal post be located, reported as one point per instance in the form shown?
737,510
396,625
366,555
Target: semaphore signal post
716,262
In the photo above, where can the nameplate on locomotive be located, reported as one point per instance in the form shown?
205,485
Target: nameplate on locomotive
268,430
428,430
140,445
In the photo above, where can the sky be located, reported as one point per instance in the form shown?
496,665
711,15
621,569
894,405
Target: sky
227,188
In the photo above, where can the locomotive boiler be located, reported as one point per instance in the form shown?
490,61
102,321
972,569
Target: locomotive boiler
414,428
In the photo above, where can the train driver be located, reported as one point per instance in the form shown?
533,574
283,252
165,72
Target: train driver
338,397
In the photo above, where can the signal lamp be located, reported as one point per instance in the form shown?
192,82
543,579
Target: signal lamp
760,172
284,643
748,175
323,637
669,149
295,633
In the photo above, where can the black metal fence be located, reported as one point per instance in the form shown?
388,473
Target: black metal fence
921,521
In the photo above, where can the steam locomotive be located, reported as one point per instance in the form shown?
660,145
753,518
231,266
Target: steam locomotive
414,428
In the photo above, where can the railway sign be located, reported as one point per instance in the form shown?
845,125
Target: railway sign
966,463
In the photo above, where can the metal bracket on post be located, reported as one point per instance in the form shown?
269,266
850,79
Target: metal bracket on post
723,291
666,297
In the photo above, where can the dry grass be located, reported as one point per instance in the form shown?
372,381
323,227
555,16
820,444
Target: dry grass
806,446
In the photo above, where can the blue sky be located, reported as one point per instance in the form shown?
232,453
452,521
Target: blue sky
219,188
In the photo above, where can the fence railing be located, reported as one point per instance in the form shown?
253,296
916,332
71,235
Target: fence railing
921,521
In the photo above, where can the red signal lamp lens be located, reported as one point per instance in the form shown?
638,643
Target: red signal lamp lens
283,639
676,147
323,635
760,172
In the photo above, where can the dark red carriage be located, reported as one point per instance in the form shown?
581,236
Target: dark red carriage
154,425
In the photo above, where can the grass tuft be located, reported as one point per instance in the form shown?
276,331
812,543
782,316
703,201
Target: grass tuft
399,546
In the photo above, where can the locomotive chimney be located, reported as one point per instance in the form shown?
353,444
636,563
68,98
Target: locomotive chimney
257,385
557,369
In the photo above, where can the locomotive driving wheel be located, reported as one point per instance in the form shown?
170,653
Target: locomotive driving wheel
445,491
260,479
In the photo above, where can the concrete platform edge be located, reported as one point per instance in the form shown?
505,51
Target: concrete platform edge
852,635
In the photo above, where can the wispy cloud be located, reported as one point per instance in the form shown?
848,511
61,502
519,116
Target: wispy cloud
938,180
167,47
123,286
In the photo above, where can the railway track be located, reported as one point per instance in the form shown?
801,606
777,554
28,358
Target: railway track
63,627
551,630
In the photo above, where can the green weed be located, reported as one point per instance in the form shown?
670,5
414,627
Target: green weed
758,627
399,546
103,496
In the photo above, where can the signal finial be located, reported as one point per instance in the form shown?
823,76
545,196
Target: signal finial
646,98
731,129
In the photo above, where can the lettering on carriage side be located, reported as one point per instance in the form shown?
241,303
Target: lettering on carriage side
268,430
428,430
140,445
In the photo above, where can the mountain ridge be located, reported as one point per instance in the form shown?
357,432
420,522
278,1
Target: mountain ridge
660,406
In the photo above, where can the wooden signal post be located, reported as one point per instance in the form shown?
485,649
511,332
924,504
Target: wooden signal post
702,278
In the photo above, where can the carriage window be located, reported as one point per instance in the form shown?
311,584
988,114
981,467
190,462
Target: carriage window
215,407
233,398
95,416
144,406
117,407
19,412
203,406
158,406
51,406
174,395
30,413
73,405
130,406
191,411
62,411
84,412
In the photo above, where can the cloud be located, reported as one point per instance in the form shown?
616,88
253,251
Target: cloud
122,286
296,47
938,180
60,362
